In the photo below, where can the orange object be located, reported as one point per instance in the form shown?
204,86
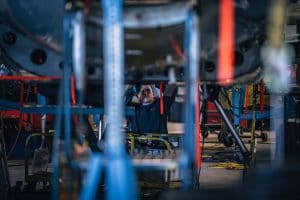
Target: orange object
176,46
198,153
73,98
226,42
161,100
73,95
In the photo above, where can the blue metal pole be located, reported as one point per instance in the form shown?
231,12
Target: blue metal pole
119,171
242,96
93,178
55,146
63,98
66,84
236,106
192,52
277,129
41,100
79,54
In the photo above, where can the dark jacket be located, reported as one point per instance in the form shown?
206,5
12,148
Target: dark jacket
147,118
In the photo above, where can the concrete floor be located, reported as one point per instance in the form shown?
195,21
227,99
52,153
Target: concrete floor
210,177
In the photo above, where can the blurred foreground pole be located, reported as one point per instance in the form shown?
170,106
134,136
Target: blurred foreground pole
275,58
120,177
192,52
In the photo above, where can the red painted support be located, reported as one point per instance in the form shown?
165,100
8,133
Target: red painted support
226,42
29,78
176,46
198,153
161,99
73,98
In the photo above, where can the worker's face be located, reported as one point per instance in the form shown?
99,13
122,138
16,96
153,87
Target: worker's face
146,95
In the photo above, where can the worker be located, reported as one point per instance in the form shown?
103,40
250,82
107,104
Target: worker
149,116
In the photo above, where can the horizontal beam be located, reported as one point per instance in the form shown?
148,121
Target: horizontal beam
52,109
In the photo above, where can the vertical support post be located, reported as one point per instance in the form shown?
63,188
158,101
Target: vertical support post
93,177
119,172
63,98
253,136
42,100
192,52
55,154
275,58
242,104
226,42
66,84
277,129
235,104
79,54
242,95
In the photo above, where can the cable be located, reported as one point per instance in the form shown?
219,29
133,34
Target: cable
27,93
175,46
20,117
26,122
14,144
229,103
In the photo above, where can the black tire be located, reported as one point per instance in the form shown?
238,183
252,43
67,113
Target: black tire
228,141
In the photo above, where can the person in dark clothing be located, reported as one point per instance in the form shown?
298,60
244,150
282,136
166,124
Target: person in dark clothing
149,118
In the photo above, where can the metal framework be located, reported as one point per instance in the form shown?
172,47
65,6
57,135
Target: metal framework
119,169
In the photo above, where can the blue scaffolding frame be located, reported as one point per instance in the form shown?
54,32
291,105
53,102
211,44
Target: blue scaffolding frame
120,177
